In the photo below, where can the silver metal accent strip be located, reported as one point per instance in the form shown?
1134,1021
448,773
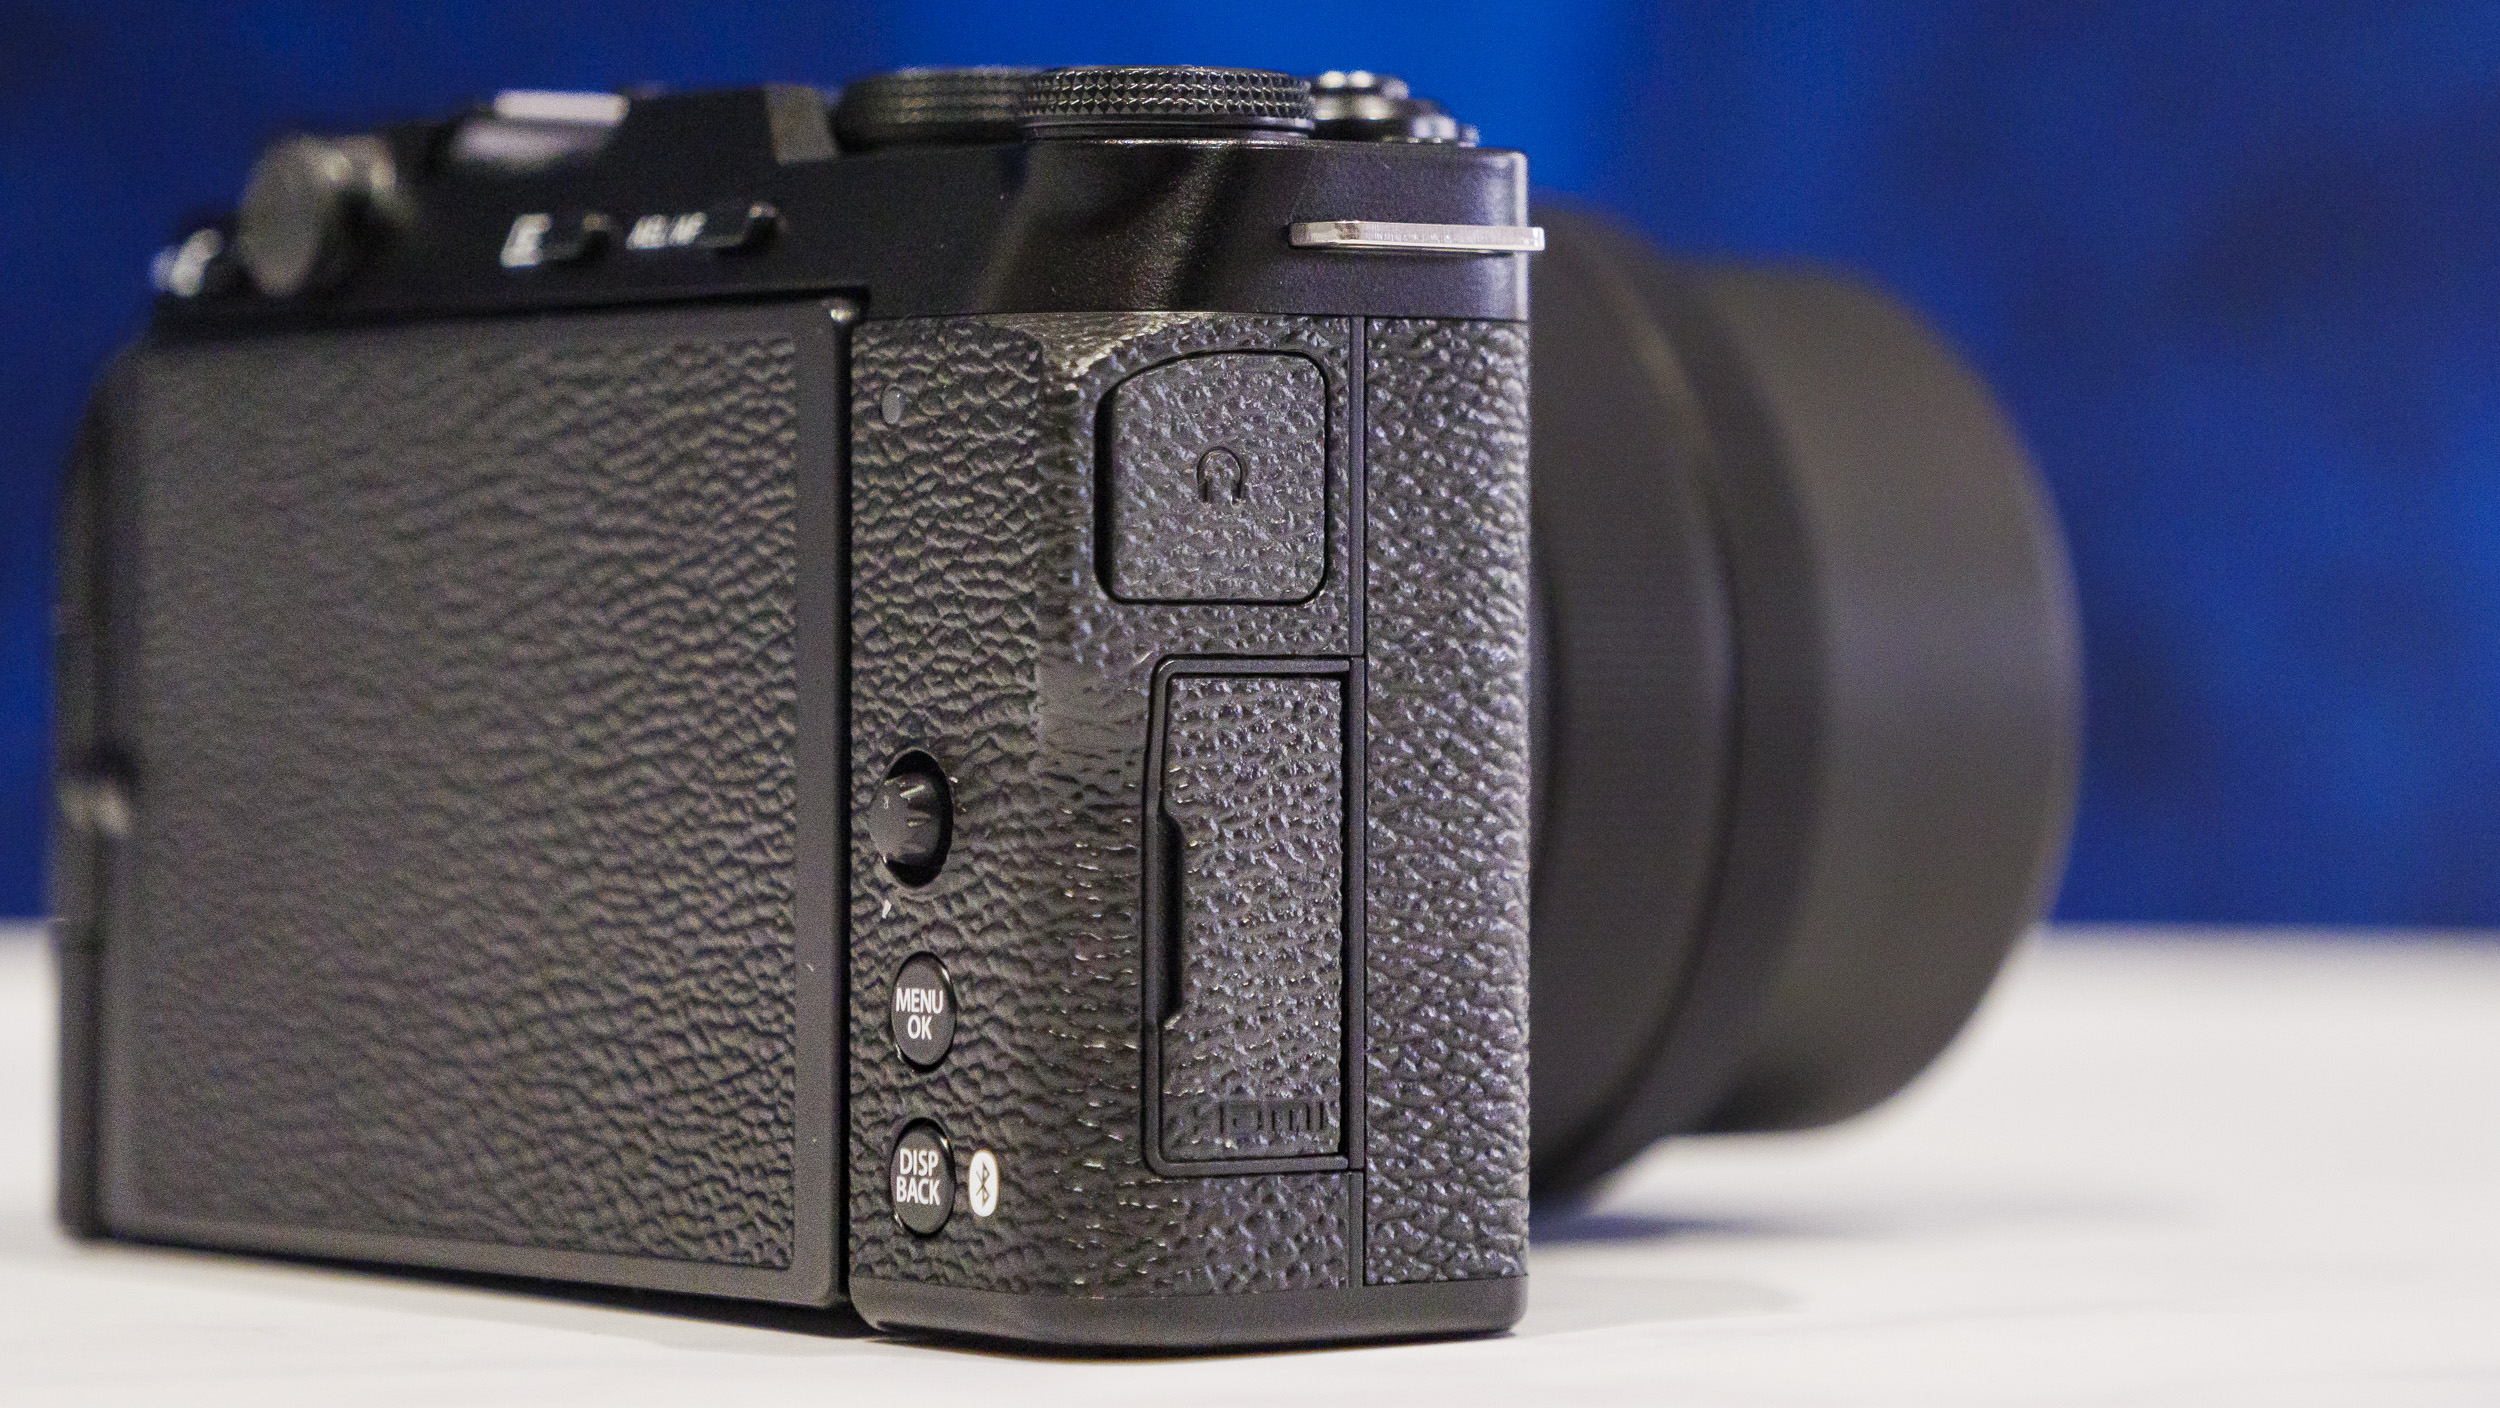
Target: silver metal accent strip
579,109
1396,237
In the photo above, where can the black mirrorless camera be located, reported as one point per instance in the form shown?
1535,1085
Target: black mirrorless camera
937,700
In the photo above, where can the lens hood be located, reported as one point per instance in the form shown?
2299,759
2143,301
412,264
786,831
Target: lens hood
1807,691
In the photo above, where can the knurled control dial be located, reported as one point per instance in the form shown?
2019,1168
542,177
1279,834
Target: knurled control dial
930,107
1166,102
307,208
911,818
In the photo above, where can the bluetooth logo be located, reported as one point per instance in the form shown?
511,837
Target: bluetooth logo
983,1183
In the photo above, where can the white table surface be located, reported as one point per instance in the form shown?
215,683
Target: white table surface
2160,1170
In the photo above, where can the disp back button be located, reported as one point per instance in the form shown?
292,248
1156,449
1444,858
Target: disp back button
923,1179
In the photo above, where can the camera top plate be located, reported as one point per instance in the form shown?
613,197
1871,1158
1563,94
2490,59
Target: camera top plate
542,201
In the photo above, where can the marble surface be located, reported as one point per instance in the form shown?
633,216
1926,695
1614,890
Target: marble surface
2162,1169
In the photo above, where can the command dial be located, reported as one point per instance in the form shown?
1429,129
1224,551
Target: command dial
929,107
1115,103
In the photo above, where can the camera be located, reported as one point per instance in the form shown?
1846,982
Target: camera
919,699
937,698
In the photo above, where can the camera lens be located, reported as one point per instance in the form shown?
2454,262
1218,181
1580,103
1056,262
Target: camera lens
1806,699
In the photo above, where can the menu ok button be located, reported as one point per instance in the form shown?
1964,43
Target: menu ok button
923,1017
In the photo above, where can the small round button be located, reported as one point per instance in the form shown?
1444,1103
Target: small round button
1360,106
924,1179
923,1016
304,209
911,818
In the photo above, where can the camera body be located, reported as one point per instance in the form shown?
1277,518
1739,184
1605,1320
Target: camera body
939,718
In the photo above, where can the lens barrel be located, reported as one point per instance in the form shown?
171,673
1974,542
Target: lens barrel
1808,699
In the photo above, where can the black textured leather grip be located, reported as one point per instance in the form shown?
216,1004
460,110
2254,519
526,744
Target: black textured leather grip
981,634
467,909
1446,445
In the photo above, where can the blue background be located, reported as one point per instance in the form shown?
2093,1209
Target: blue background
2237,274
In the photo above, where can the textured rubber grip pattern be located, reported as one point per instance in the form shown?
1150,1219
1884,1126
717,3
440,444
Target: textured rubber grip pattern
1254,785
981,632
466,824
1448,487
1217,487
